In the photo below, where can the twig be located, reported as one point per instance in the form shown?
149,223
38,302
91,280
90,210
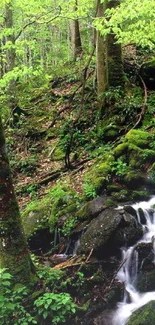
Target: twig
115,274
144,105
90,254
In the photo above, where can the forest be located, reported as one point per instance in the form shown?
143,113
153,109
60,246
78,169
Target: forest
77,162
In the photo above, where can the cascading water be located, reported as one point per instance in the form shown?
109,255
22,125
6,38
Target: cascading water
133,299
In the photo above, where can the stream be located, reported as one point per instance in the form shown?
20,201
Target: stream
133,299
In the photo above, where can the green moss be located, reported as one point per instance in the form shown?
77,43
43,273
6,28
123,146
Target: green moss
151,173
109,203
122,195
36,214
133,177
140,195
138,138
144,315
120,150
58,154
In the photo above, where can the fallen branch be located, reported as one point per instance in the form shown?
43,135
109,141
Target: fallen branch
90,254
115,274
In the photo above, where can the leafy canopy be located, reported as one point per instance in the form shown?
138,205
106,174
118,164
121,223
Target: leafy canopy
132,22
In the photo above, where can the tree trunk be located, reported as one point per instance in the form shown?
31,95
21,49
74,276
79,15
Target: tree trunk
75,36
14,253
109,55
11,56
101,67
114,54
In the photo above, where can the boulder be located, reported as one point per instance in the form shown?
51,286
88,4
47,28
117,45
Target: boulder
147,72
108,232
144,316
92,209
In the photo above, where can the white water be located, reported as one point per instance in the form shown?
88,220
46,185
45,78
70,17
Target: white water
128,272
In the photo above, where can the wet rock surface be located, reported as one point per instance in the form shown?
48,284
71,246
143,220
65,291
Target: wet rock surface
92,209
108,232
144,316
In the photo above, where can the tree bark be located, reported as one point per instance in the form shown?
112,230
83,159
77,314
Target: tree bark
101,66
114,54
11,54
109,55
14,253
75,36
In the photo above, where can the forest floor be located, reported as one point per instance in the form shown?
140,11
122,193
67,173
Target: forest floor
38,158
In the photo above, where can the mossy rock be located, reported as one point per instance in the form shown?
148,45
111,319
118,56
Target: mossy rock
111,132
120,150
91,209
121,196
134,179
151,174
144,316
36,215
99,174
139,138
145,281
147,72
105,234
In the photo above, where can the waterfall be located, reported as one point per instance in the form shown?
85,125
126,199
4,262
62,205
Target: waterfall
133,299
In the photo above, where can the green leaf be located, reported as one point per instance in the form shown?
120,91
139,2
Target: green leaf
45,314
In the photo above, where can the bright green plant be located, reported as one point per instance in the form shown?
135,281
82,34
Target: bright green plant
12,302
89,190
69,225
119,167
55,308
51,278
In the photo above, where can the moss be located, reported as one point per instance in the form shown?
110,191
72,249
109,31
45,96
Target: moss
84,212
138,138
144,315
120,150
151,174
111,132
133,178
109,203
140,195
58,154
120,196
36,214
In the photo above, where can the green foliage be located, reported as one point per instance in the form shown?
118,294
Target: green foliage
132,22
57,308
119,167
51,278
12,302
89,190
69,226
26,166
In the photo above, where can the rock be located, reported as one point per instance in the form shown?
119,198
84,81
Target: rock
147,72
92,209
131,210
145,281
144,316
108,232
129,231
146,274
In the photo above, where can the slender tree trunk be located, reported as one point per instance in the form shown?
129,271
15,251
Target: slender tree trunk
75,35
114,54
101,67
11,54
109,55
14,253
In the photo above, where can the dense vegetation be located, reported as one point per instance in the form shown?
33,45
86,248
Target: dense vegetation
77,104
